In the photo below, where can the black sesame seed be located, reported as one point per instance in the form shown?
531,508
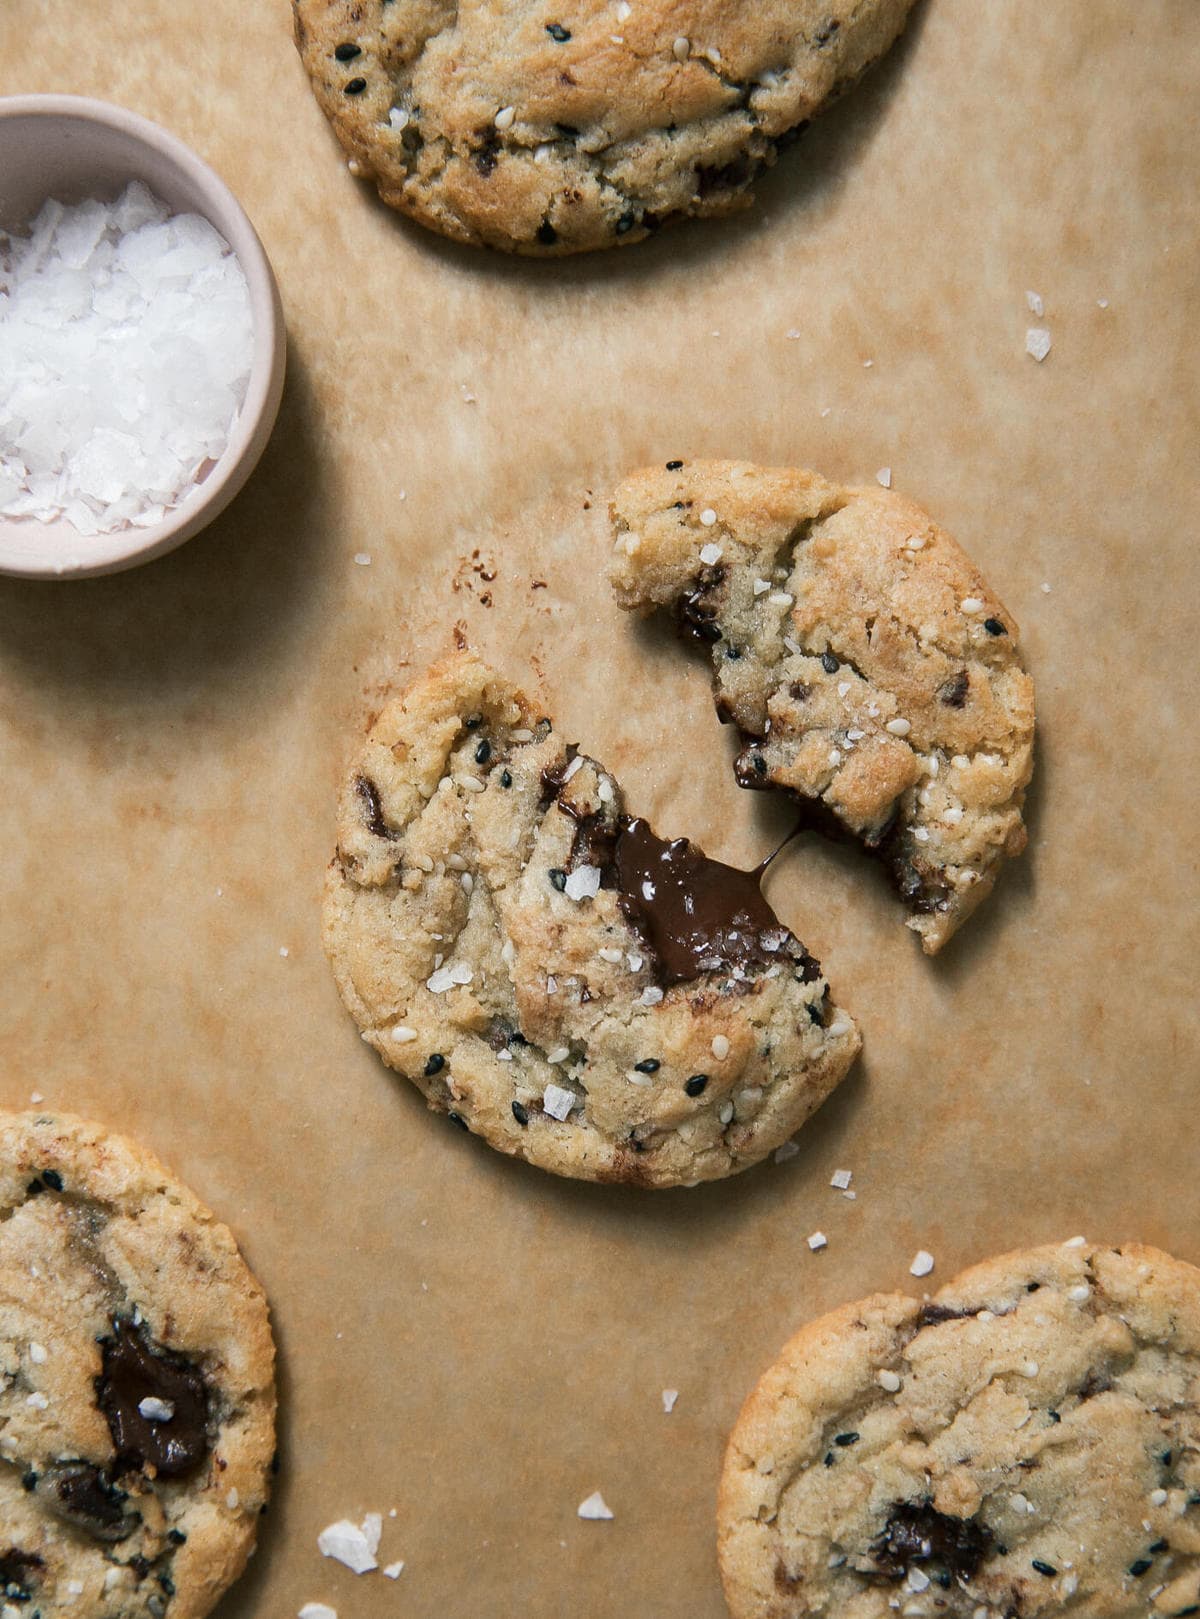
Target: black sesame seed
457,1118
558,33
625,224
35,1186
1054,1416
942,1579
1160,1546
1002,1551
994,627
1032,1287
829,663
696,1084
1193,1499
29,1480
1165,1458
759,763
435,1065
176,1537
674,466
815,1015
829,1458
520,1113
167,1583
648,1065
355,87
546,234
506,778
1048,1569
483,752
558,878
347,52
474,722
845,1439
52,1179
1140,1567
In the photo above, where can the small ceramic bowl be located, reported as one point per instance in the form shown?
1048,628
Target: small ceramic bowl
72,148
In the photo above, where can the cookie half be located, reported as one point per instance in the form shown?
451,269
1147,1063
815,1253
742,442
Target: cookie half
137,1395
870,669
544,127
1025,1443
547,971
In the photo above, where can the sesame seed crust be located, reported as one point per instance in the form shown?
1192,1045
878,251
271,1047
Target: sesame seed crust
504,123
880,683
1026,1442
540,1019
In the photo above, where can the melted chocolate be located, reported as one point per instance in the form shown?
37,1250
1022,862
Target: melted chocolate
18,1570
932,1315
697,915
369,793
134,1369
695,615
80,1495
916,1532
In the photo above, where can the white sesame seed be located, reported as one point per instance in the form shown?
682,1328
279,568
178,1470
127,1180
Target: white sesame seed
471,783
422,862
841,1178
710,554
355,168
921,834
1030,1369
604,792
398,118
818,1240
403,1035
720,1047
780,598
1037,342
624,11
712,55
559,1054
835,757
708,517
635,1078
504,118
1079,1294
608,952
37,1354
899,727
751,1096
971,605
444,978
557,1101
854,735
915,542
543,153
522,735
960,761
953,814
888,1381
1158,1498
1075,1242
37,1400
467,881
576,764
725,1112
922,1263
363,558
884,477
681,49
456,862
232,1499
507,952
841,1025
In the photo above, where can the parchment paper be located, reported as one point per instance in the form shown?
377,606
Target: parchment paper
466,1340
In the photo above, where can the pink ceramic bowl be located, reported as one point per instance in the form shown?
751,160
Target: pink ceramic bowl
71,148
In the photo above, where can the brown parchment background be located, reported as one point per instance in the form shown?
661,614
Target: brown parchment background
462,1338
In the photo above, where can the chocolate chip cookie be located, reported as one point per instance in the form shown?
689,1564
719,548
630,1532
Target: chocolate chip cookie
137,1403
1026,1442
549,972
545,127
870,669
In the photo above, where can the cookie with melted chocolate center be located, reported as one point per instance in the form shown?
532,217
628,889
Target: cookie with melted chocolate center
1026,1445
137,1405
871,671
548,971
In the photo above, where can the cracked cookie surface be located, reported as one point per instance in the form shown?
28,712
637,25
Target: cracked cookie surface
137,1400
871,671
549,128
1026,1443
547,971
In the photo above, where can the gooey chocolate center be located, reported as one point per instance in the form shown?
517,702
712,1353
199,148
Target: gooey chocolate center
135,1369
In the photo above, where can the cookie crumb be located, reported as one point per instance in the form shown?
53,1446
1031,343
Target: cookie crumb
595,1507
922,1263
1037,342
669,1396
818,1240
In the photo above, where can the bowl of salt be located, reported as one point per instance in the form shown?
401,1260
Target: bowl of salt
141,340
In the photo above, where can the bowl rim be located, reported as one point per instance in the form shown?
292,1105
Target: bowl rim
126,548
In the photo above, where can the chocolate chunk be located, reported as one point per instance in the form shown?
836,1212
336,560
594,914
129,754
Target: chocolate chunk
953,692
546,234
697,915
18,1571
347,52
553,776
932,1315
520,1113
994,627
82,1496
376,825
916,1532
135,1369
695,615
